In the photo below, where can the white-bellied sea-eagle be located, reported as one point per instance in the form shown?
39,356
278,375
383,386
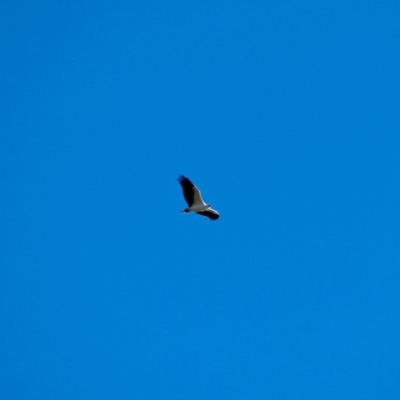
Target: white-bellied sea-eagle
193,198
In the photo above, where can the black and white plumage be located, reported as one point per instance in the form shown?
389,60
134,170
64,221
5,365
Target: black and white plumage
193,198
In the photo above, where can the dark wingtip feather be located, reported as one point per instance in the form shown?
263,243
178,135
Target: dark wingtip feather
182,179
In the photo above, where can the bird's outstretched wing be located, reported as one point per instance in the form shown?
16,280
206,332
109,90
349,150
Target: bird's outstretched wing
191,194
210,213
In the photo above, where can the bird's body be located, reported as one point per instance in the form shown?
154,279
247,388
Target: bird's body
194,200
198,207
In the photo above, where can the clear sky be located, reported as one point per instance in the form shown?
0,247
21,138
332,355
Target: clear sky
285,114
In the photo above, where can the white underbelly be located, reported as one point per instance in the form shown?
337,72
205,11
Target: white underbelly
199,207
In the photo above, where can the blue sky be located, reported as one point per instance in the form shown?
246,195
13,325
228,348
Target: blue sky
285,114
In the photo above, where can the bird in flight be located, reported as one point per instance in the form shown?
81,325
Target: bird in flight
193,198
